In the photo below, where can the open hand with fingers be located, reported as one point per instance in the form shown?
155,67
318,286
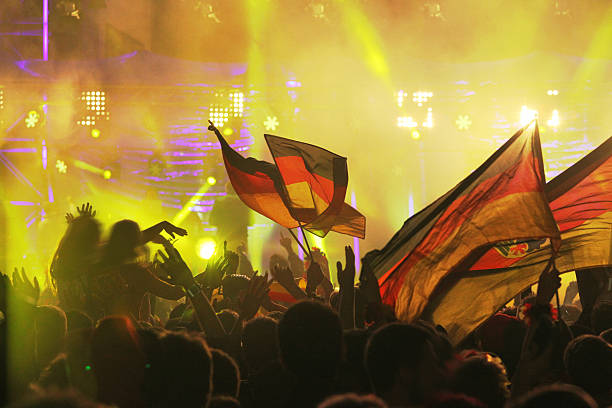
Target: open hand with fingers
175,267
346,275
254,296
548,284
314,277
86,210
29,290
172,229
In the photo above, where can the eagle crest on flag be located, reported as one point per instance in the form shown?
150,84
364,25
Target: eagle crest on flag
518,249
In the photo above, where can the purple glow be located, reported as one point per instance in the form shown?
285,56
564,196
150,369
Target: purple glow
29,224
355,239
301,239
186,162
19,150
44,155
22,203
293,84
51,198
181,154
45,30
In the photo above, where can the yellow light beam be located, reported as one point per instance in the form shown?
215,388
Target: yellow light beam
88,167
184,212
600,44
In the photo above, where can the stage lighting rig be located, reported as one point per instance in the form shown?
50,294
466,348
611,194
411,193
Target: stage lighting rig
463,122
271,123
1,99
61,166
96,108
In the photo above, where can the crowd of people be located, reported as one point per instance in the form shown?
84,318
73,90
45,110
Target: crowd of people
119,327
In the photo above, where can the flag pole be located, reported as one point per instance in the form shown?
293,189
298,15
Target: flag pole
305,240
297,240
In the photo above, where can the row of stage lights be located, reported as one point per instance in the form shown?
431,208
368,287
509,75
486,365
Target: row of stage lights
463,122
96,108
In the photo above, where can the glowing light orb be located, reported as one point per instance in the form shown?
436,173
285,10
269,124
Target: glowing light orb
107,174
211,180
555,120
527,115
61,166
206,248
415,134
228,132
463,122
95,133
32,119
271,123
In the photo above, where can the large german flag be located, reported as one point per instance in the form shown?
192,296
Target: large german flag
581,202
306,187
501,200
258,184
315,182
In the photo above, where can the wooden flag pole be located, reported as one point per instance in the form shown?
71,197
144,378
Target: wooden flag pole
297,240
305,240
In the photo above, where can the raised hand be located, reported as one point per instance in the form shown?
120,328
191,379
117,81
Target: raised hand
548,283
86,210
254,296
314,277
285,241
346,275
69,217
175,267
172,229
368,283
283,275
22,285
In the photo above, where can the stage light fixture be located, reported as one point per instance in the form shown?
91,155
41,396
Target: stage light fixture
211,180
415,134
237,104
228,131
271,123
552,92
95,133
32,119
463,122
527,115
555,120
429,121
95,105
107,174
1,98
400,98
61,166
406,122
206,248
421,97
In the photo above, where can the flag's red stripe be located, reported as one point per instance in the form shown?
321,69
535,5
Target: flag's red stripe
524,179
293,170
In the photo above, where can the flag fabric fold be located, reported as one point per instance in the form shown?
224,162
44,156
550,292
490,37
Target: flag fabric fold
306,186
581,202
501,200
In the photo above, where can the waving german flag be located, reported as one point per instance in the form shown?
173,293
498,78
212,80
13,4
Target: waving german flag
306,187
501,200
581,202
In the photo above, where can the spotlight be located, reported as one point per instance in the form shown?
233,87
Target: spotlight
429,122
552,92
95,105
206,248
211,180
107,174
1,98
61,166
400,98
527,115
421,97
95,133
271,123
406,122
228,131
555,120
463,122
415,134
32,119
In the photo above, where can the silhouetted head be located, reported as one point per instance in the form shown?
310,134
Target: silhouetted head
123,243
351,400
260,342
77,249
555,396
402,365
484,378
310,340
588,362
226,375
